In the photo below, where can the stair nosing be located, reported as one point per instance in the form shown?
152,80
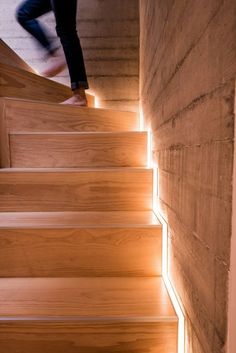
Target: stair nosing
75,133
74,170
37,220
85,226
90,319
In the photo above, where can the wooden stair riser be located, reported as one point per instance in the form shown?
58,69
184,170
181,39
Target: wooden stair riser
85,190
80,252
20,116
66,150
103,337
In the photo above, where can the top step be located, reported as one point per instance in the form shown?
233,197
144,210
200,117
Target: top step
19,83
33,116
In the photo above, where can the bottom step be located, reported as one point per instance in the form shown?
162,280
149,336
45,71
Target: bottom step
86,315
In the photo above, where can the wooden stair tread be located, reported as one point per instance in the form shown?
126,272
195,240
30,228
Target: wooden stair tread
20,114
111,298
78,219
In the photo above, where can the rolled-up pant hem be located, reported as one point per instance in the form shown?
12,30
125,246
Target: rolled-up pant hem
79,84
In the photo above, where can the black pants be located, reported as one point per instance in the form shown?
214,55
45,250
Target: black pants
65,15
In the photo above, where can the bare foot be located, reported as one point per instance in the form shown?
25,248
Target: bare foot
57,63
79,98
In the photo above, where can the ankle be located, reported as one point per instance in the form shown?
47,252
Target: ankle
80,92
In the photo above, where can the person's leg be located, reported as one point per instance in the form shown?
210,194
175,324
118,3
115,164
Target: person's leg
26,15
65,14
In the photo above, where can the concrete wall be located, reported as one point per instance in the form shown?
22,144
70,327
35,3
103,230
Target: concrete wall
109,32
188,66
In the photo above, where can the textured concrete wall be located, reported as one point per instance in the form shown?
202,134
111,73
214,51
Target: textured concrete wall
109,32
188,66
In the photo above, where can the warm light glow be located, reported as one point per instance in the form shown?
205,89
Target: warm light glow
155,188
96,102
141,119
172,293
156,209
149,149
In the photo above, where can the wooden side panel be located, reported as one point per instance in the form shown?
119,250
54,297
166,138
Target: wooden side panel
88,337
80,252
53,117
84,190
18,83
78,150
9,57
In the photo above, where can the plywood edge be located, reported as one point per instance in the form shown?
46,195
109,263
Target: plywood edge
4,138
81,133
92,319
77,170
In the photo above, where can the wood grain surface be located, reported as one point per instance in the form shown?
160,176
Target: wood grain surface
110,189
144,298
86,315
73,337
79,252
51,117
80,248
75,150
18,83
9,57
4,138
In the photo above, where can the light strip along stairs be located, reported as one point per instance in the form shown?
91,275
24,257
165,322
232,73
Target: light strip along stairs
80,248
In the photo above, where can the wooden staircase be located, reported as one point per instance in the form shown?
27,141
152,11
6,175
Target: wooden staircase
80,248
